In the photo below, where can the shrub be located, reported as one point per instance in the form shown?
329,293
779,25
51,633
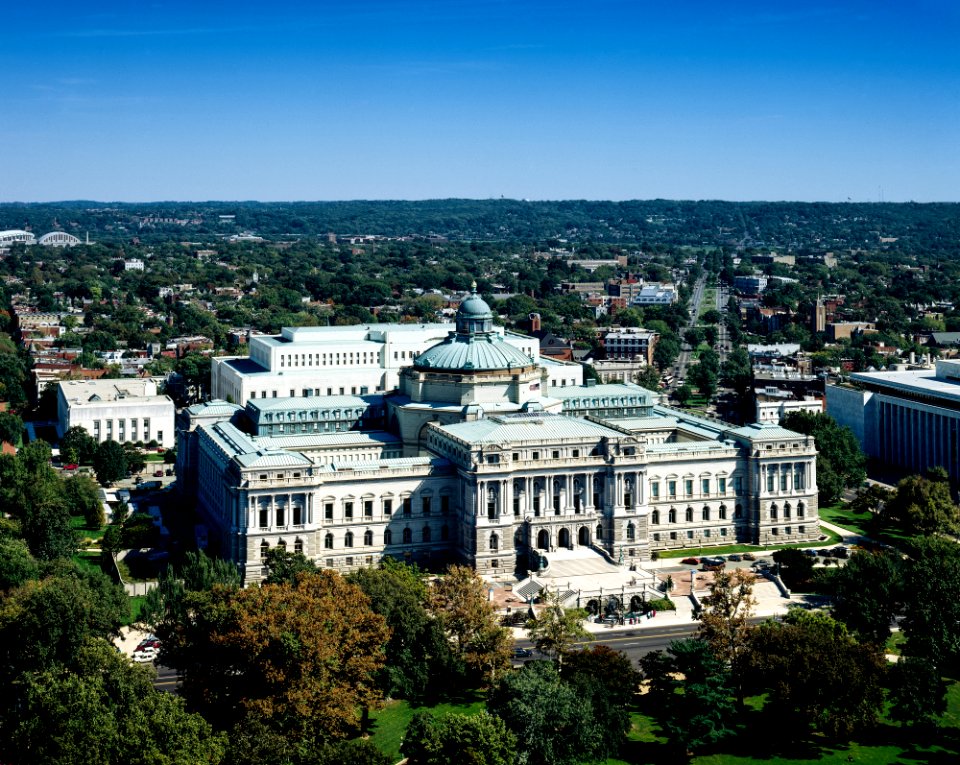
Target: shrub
661,604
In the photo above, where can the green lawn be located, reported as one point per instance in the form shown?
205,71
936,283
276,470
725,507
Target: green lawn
88,560
696,551
85,532
841,515
389,724
136,606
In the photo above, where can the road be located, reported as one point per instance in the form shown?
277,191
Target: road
683,359
166,679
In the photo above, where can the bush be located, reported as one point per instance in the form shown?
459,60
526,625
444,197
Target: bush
661,604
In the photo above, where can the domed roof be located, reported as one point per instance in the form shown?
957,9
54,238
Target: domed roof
475,346
472,353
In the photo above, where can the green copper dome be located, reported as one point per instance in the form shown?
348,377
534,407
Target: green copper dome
475,346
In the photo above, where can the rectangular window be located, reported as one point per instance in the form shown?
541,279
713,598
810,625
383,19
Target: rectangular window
536,505
556,454
769,480
706,532
556,504
656,536
798,478
705,486
348,510
783,480
721,485
328,511
536,455
407,505
673,536
688,487
723,532
368,508
426,505
516,504
516,456
444,504
738,485
690,534
264,518
281,516
655,489
672,489
387,506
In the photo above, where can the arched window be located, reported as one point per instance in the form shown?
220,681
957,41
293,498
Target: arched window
689,515
800,509
426,533
264,548
631,532
282,545
706,513
773,511
367,538
599,532
348,539
738,512
723,512
786,510
494,543
298,546
387,537
407,536
655,518
672,515
328,542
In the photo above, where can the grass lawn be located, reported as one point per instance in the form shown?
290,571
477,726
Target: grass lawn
88,560
727,549
841,515
86,532
136,606
389,724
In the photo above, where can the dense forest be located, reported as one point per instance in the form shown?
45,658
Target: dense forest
927,228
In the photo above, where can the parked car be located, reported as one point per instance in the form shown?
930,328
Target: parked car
712,561
168,471
749,556
144,655
841,552
736,558
158,474
71,466
149,643
691,561
522,653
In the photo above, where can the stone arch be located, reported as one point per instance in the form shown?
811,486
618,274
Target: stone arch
543,539
631,532
564,538
583,536
494,542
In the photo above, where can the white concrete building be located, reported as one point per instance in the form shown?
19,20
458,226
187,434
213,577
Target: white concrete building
345,361
495,471
117,410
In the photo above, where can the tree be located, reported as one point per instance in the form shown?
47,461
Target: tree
17,565
683,394
690,692
459,601
923,505
607,679
110,462
480,739
556,629
136,462
931,610
45,517
11,428
868,592
553,724
794,566
299,658
843,695
840,460
77,446
102,711
282,566
83,498
918,692
725,620
649,378
419,661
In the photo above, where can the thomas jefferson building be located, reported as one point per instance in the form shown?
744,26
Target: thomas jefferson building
476,458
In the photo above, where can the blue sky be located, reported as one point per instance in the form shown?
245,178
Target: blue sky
600,99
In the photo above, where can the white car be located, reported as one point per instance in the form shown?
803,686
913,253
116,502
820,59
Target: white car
145,655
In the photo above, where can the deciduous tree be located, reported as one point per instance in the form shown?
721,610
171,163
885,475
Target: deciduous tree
555,630
110,462
480,739
725,620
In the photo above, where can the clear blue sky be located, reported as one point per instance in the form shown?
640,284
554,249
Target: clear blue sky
406,99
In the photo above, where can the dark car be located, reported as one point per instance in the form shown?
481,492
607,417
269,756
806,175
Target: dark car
840,552
158,474
522,653
691,561
811,553
749,556
168,471
735,558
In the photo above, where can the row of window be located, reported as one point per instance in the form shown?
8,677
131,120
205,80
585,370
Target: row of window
325,359
705,487
406,537
103,430
723,532
406,507
361,390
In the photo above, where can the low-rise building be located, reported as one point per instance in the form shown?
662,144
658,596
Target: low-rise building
117,410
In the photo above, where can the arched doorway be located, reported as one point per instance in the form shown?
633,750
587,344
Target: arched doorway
543,539
583,536
593,607
564,540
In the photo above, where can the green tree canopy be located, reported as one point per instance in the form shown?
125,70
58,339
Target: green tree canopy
110,462
923,505
77,446
480,739
841,462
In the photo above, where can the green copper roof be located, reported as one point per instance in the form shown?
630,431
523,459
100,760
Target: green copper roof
475,352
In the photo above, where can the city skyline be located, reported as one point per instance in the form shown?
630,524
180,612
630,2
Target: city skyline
532,100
